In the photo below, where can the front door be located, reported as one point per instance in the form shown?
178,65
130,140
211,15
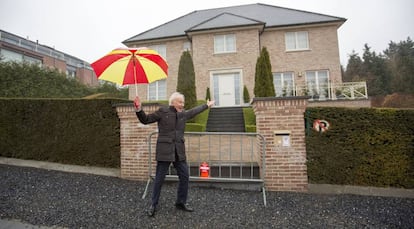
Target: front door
226,89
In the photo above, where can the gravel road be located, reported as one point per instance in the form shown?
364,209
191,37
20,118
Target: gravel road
70,200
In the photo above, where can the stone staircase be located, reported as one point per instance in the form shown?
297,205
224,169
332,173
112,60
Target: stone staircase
226,119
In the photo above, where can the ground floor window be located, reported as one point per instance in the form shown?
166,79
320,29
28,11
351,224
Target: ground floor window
317,83
283,83
157,90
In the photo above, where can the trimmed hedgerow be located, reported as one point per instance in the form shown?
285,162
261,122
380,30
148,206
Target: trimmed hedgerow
71,131
372,147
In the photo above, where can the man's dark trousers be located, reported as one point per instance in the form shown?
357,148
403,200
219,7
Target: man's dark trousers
161,172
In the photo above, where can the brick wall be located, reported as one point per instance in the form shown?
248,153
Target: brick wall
285,165
86,76
52,62
134,146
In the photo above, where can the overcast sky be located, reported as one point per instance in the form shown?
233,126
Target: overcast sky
89,29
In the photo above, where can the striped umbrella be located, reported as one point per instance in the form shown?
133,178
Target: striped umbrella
131,66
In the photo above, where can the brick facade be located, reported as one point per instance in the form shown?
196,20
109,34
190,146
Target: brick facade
54,63
49,57
323,54
243,60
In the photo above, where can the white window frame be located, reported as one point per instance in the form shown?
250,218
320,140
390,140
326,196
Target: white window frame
225,43
290,90
319,84
294,42
160,93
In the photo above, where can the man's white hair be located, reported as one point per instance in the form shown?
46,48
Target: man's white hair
174,96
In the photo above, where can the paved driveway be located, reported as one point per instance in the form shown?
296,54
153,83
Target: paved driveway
58,199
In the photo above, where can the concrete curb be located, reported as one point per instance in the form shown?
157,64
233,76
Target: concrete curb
313,188
61,167
360,190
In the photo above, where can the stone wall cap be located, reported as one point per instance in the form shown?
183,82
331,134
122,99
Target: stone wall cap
279,98
123,105
132,104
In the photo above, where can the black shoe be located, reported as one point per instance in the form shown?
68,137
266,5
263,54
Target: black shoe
151,211
184,207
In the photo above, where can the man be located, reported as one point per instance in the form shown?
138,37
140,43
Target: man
170,145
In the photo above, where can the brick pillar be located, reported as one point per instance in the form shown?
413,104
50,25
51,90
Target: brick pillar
285,163
134,142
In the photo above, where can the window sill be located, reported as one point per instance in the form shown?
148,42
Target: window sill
299,50
224,53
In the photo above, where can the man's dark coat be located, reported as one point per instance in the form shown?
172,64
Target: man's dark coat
171,125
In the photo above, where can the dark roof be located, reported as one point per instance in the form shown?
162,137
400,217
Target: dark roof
234,16
225,20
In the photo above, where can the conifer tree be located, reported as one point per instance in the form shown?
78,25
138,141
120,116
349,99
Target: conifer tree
246,95
186,80
263,82
208,96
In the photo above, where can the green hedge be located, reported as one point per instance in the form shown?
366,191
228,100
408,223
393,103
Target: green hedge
250,128
72,131
368,147
199,123
249,119
195,127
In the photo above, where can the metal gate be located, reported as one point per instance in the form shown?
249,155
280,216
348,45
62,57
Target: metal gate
232,157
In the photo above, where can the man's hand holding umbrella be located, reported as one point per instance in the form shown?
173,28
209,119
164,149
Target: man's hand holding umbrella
137,103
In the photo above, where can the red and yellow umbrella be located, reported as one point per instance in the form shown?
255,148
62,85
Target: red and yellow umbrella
131,66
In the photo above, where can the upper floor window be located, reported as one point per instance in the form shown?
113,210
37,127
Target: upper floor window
31,60
11,56
7,55
296,41
283,83
224,43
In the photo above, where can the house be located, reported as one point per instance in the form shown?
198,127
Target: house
226,42
16,48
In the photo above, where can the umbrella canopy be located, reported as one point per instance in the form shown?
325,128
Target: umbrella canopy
131,66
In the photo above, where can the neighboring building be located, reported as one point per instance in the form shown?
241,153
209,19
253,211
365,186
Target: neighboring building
15,48
226,42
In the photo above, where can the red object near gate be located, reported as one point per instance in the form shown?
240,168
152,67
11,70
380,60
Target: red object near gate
204,170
